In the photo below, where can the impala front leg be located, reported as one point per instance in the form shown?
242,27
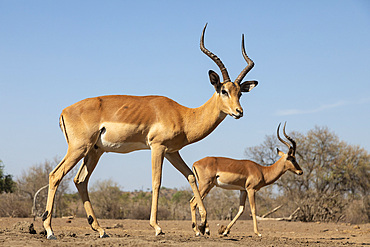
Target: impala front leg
243,197
252,202
157,163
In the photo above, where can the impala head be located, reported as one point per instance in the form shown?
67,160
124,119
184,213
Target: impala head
290,160
229,92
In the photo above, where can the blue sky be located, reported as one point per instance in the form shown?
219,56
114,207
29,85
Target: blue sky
311,60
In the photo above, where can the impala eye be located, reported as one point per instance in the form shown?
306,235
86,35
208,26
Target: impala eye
224,92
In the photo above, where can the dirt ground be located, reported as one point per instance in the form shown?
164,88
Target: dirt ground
77,232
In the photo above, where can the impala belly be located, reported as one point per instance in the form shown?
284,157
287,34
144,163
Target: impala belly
121,138
229,181
125,147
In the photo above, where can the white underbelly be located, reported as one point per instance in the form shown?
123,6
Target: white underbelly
113,138
228,186
125,147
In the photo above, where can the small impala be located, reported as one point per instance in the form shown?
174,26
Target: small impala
122,124
243,175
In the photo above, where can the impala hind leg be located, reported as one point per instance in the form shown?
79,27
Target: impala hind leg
81,181
243,196
203,191
181,166
55,177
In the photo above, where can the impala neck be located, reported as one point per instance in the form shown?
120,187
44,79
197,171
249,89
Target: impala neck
274,172
201,121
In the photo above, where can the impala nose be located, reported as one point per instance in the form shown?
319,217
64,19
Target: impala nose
299,172
240,111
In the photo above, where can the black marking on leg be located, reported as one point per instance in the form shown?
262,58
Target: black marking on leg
202,228
90,219
95,146
193,225
45,215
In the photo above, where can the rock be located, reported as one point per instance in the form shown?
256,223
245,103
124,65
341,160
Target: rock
25,227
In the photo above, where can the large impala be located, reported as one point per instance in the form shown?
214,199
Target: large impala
122,124
243,175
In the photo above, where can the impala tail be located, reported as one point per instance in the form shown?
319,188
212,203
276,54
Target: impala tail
63,127
195,173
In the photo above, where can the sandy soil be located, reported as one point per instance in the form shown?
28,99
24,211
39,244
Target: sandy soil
77,232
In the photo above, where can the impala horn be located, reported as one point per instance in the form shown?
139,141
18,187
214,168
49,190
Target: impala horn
278,136
290,139
249,66
215,59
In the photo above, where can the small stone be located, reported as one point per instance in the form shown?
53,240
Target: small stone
25,227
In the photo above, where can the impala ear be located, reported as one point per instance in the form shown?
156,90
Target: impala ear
279,152
215,80
248,86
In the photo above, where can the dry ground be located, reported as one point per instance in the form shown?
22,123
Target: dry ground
77,232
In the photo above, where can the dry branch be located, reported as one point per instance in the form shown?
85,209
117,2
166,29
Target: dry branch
271,211
278,219
34,209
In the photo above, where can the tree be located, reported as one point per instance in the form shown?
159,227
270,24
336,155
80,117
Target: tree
335,175
179,204
7,184
108,199
36,177
221,204
10,205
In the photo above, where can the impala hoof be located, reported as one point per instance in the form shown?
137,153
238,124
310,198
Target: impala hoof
104,236
52,237
158,231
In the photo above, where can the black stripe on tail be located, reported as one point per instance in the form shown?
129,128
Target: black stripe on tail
63,127
195,173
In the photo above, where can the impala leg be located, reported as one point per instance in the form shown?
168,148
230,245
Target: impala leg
181,166
203,191
157,163
55,177
252,202
243,197
193,206
81,181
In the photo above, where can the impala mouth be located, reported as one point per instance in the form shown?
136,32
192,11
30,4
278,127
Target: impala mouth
237,116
